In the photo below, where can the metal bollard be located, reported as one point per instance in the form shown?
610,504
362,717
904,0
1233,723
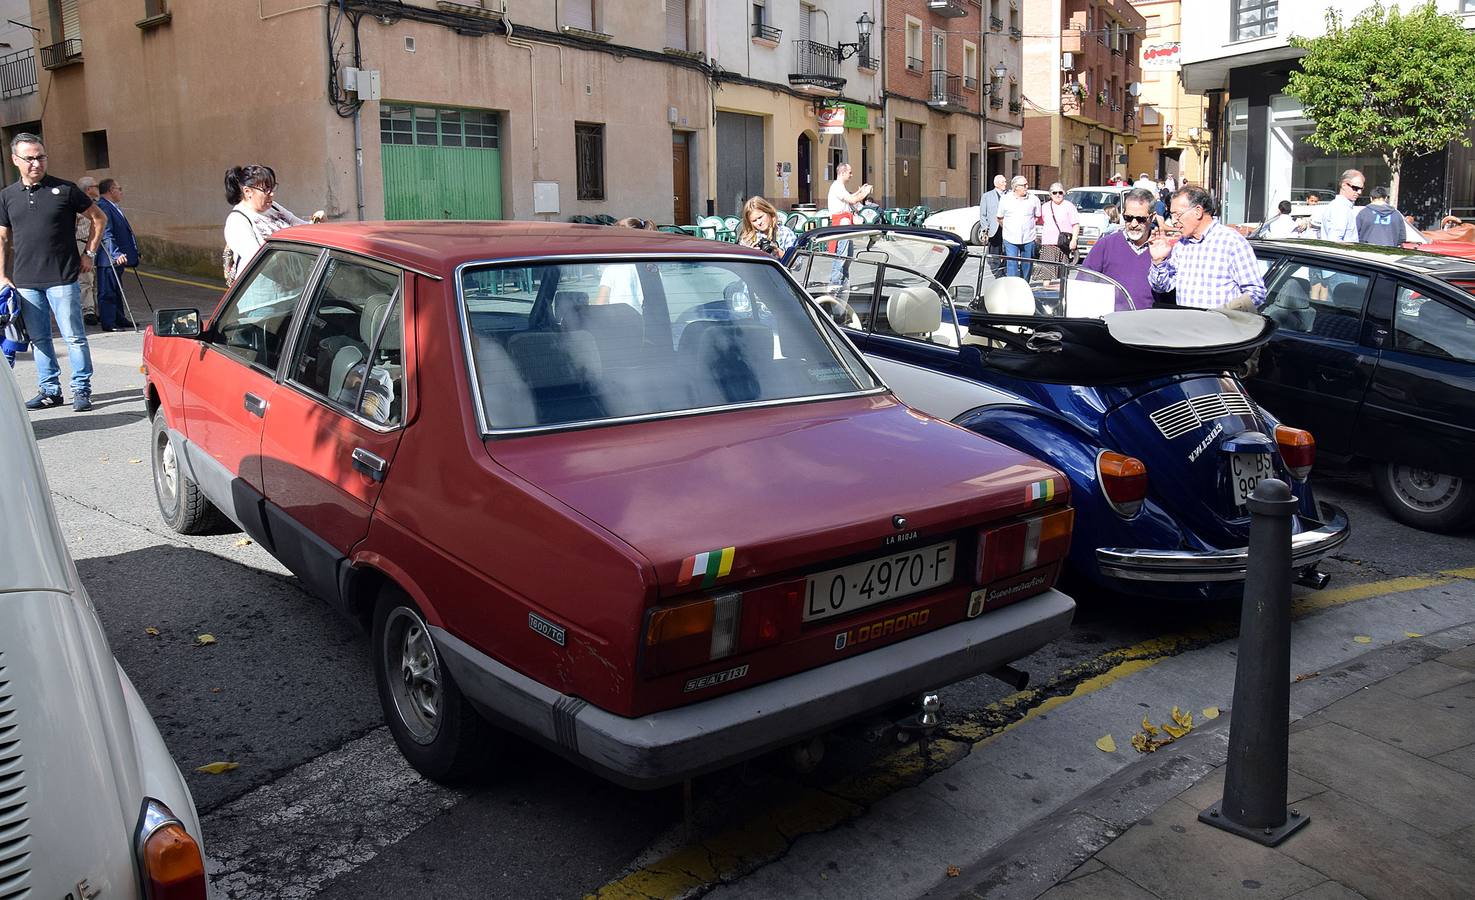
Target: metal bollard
1254,804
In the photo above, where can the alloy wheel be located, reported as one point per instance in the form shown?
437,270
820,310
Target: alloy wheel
1422,489
412,670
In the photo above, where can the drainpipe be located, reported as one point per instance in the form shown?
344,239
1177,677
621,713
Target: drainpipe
358,159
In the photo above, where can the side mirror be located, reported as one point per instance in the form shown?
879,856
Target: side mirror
177,323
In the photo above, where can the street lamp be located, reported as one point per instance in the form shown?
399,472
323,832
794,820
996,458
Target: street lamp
863,27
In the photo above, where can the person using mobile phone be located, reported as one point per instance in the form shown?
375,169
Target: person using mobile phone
1123,255
1211,265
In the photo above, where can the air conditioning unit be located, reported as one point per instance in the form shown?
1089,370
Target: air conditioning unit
1067,61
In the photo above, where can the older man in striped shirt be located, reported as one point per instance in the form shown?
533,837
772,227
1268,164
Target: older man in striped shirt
1212,264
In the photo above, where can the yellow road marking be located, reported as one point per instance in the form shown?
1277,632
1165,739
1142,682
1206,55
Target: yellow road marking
199,284
765,837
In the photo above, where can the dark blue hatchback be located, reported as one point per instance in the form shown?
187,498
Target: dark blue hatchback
1143,409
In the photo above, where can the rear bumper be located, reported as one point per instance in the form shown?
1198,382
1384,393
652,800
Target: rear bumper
1315,540
668,746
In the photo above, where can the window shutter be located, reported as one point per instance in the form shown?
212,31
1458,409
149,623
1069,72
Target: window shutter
806,14
676,24
579,14
68,19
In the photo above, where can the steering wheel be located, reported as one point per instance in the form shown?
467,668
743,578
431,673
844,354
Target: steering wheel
843,313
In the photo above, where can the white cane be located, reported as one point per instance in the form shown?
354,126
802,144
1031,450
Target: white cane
118,279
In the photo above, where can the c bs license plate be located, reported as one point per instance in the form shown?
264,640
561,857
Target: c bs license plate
849,588
1245,471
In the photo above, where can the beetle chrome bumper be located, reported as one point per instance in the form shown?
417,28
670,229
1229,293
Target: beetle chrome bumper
1314,541
670,745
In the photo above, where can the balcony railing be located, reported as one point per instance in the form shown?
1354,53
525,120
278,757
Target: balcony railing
767,32
946,90
1016,107
914,64
996,102
867,61
62,53
970,83
951,9
17,73
816,66
1015,33
996,23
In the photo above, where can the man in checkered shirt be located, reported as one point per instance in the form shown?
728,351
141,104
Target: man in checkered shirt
1212,264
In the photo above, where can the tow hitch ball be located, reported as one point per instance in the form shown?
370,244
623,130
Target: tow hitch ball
1312,577
925,721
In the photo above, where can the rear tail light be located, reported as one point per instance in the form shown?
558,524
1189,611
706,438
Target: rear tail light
170,864
1297,450
719,625
1123,481
1022,546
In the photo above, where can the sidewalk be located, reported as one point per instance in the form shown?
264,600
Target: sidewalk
1383,763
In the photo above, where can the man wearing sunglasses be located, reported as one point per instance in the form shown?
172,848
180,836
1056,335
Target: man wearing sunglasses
1122,255
1340,221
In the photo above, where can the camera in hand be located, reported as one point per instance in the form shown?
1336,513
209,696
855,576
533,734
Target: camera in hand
766,244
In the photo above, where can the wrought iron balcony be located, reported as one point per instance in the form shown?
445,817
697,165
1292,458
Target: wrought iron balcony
17,73
1015,33
996,23
947,93
1016,107
970,83
996,102
914,64
767,32
816,69
952,9
62,53
867,61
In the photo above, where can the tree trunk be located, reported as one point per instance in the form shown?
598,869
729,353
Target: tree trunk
1395,163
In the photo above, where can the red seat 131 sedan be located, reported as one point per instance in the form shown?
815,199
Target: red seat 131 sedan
628,494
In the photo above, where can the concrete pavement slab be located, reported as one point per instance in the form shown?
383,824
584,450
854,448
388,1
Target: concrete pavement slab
1464,839
1461,760
1423,793
1418,726
1329,890
1377,855
1459,700
1428,678
1104,885
1464,658
1211,789
1172,854
1086,868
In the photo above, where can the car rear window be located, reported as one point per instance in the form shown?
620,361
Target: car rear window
1094,201
568,343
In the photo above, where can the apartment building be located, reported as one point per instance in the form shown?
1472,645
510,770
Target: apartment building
1082,78
953,98
530,109
20,101
1174,139
1236,53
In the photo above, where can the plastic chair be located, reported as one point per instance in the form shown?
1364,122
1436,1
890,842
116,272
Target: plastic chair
582,220
919,215
604,219
896,216
711,227
869,215
798,222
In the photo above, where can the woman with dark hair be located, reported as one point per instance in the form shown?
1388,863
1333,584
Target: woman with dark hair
255,215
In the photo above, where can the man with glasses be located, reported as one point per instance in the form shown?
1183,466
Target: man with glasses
1122,254
1340,221
1018,215
39,258
1211,265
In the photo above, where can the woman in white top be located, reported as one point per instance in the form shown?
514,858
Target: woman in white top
254,214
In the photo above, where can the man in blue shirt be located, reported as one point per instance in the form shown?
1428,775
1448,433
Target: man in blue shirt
1340,221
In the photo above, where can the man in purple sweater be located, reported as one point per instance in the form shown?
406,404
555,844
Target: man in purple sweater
1123,255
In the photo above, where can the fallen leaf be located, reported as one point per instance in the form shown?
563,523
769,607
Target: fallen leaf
1305,675
1149,728
1144,744
954,871
1412,634
152,631
215,690
218,768
1175,731
1363,639
1211,712
1181,718
243,542
204,639
135,461
1106,744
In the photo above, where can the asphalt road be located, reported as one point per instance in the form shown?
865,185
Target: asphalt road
322,805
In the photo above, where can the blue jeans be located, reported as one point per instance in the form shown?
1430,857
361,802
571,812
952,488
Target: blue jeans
65,300
1018,267
840,268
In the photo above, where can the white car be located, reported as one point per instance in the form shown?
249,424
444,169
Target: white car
1091,202
91,803
963,221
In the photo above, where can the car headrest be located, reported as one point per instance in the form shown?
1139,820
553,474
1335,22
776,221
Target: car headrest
914,310
608,320
566,304
550,359
1348,295
1438,317
708,340
1009,296
376,308
1294,294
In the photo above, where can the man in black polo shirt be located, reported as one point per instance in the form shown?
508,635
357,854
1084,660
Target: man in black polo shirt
38,256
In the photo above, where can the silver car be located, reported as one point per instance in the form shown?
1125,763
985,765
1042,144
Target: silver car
91,803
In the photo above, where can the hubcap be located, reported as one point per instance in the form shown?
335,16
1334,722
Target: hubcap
168,471
1423,490
413,671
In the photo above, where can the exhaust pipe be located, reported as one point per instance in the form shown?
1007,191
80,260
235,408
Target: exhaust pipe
1011,676
1312,577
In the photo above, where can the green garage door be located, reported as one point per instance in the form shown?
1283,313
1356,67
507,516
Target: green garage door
440,163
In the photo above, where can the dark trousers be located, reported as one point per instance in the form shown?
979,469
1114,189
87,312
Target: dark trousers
110,298
996,250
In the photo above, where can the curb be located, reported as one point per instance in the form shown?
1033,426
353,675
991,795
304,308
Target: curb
1034,860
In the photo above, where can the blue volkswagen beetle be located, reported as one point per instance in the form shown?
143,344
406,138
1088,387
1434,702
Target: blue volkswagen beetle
1143,409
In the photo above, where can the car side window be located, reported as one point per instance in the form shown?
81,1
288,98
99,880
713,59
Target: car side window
1317,300
254,325
349,352
1424,325
913,308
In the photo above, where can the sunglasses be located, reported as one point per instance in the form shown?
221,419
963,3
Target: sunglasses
1355,187
1136,218
1057,193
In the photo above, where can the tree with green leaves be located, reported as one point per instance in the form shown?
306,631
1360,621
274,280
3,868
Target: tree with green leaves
1397,84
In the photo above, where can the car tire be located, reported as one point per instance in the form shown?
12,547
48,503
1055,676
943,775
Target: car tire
181,503
1427,500
437,730
976,236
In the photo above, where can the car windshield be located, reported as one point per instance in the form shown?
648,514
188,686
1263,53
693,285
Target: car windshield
584,342
1093,201
870,251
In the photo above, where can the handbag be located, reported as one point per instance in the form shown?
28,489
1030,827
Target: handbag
1062,239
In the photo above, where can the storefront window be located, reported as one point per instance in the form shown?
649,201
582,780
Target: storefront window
1462,179
1295,168
1234,167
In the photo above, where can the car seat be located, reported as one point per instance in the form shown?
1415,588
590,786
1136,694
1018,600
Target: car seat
1291,308
725,360
914,311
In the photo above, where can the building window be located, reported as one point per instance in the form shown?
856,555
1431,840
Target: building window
153,8
1095,176
914,45
95,149
676,24
1253,19
578,14
429,126
952,151
1467,6
589,156
970,65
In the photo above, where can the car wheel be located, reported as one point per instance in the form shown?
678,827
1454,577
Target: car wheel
180,501
1427,500
435,727
977,236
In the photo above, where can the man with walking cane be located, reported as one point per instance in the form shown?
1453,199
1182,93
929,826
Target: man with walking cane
118,249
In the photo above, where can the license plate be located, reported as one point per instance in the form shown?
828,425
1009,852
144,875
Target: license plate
841,591
1245,471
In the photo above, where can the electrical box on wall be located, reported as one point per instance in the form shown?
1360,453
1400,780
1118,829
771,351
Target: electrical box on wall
545,198
369,85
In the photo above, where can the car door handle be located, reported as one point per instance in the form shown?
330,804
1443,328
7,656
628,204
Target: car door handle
371,464
255,405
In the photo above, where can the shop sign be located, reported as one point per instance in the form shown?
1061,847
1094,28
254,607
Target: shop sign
1161,56
832,120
